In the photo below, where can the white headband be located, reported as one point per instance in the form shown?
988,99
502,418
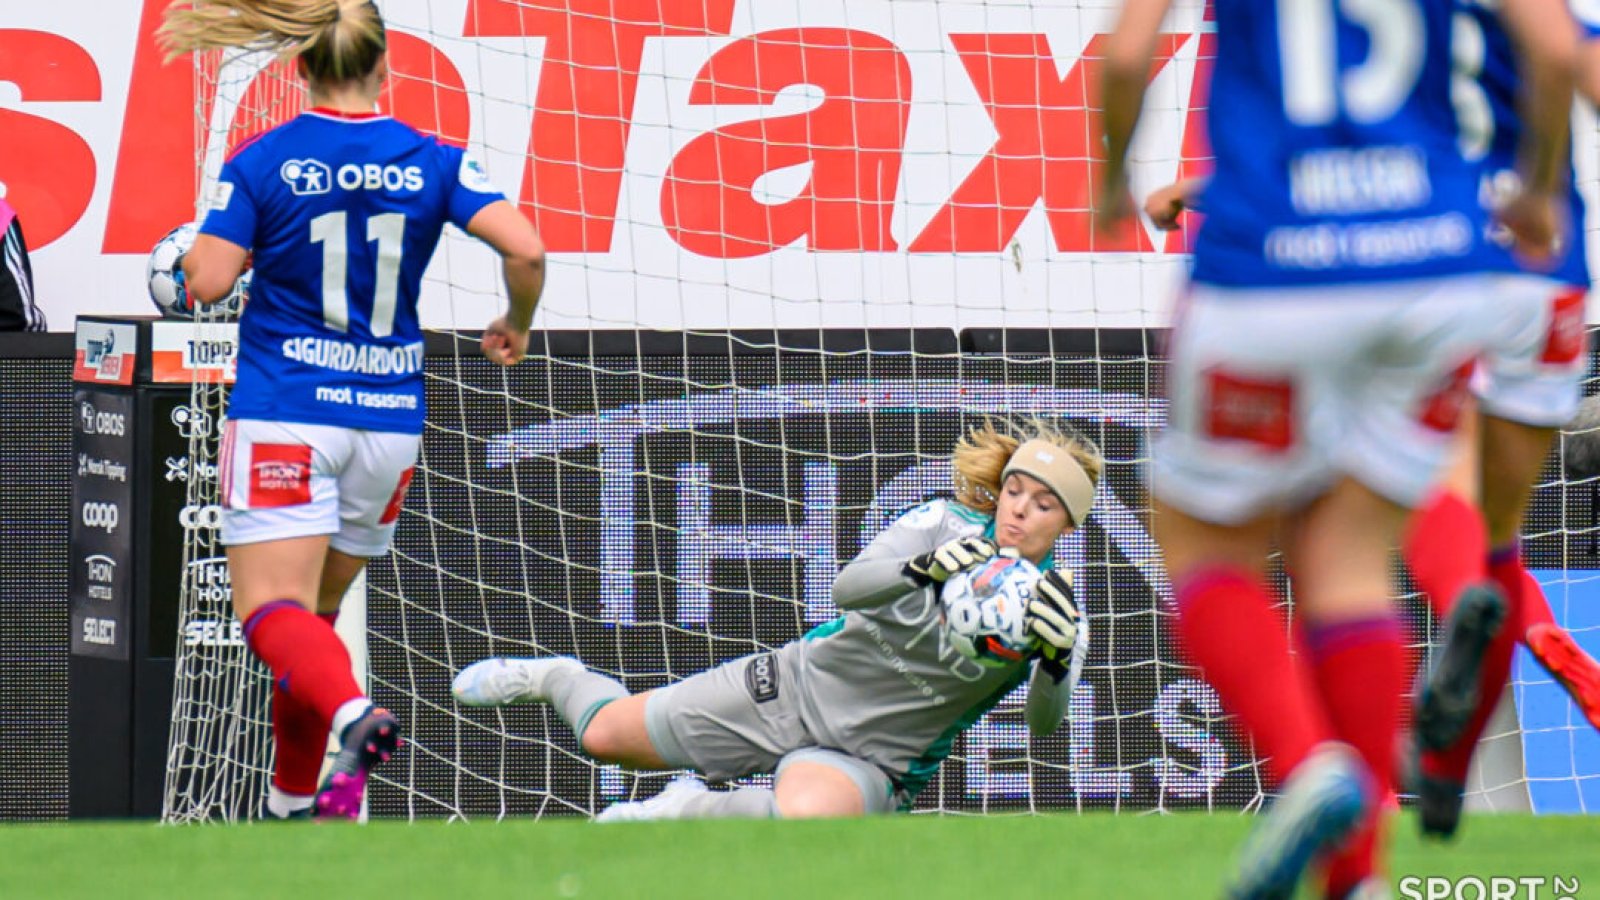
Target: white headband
1059,471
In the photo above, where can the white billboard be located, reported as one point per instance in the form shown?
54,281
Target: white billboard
704,164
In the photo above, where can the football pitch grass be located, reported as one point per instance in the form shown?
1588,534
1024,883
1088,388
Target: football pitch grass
1088,856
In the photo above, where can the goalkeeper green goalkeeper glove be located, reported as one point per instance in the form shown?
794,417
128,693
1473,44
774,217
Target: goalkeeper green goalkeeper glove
938,564
1053,616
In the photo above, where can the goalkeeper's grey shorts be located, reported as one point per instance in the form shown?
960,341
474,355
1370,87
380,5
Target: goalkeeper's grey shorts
743,718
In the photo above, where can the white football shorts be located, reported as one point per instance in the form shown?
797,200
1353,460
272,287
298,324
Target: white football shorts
1274,394
1532,372
287,480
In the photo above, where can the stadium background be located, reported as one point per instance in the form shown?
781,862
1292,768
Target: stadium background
100,175
1147,738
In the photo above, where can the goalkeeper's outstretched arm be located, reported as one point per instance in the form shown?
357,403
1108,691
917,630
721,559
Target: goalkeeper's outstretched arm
1050,687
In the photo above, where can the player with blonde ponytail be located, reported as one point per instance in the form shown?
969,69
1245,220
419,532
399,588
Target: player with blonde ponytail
342,208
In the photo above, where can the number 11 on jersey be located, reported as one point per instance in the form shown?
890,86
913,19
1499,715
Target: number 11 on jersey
389,230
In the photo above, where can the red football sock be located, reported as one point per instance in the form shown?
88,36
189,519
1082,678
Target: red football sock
1228,628
1445,545
1361,670
1506,569
1535,608
301,738
304,654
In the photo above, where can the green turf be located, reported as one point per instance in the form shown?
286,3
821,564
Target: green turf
1090,856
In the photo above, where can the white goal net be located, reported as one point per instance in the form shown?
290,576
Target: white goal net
796,248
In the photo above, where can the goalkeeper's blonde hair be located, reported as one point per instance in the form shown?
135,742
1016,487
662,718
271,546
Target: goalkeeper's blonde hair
980,456
336,40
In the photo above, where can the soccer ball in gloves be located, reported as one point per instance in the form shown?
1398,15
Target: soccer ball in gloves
983,610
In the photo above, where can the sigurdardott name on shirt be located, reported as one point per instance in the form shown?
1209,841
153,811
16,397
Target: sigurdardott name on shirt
363,359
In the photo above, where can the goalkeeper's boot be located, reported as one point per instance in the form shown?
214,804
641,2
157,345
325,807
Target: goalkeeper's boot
1449,695
367,741
668,804
1322,801
1576,670
501,681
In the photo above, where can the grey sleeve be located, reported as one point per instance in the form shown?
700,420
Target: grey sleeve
1049,700
873,578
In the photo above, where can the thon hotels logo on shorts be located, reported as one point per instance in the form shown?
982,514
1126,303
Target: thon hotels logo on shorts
307,177
280,475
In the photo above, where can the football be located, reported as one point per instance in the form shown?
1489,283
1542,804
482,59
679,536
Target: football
164,276
983,611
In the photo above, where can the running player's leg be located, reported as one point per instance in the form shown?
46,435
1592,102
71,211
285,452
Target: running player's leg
1529,384
280,506
372,483
1236,449
1446,541
1405,401
1355,646
300,735
1251,396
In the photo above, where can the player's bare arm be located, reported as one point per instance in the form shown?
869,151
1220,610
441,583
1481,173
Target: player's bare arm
505,340
1168,202
211,267
1129,50
1547,43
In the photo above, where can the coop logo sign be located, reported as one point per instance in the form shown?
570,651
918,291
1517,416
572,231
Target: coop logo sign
103,516
813,540
194,516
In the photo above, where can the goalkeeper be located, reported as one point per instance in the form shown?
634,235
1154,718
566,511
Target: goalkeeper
854,717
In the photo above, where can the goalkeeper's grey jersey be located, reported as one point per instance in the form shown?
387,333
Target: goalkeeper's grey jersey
882,682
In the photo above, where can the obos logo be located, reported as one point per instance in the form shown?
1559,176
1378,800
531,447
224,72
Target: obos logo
307,177
208,516
95,421
100,515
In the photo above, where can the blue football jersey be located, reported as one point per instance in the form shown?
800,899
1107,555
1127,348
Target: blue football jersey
1336,161
1485,95
342,214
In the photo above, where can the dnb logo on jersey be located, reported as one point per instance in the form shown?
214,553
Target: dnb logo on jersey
307,177
280,475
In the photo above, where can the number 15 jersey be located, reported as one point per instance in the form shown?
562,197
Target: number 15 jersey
343,213
1336,161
